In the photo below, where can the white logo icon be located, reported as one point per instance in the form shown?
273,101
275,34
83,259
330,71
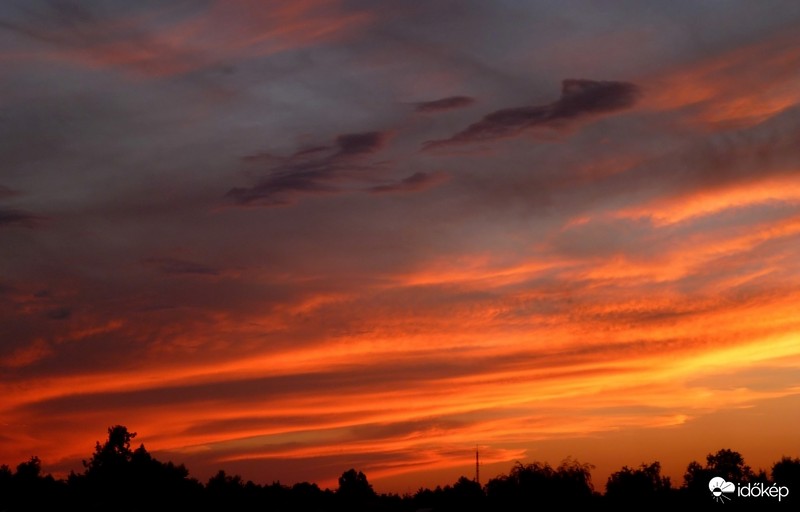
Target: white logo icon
718,486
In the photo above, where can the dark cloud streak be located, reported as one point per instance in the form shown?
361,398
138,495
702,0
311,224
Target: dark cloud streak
19,218
279,190
61,313
417,182
579,98
449,103
307,172
360,143
174,266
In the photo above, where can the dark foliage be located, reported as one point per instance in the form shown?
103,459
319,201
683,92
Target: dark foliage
787,472
640,488
570,484
120,478
28,489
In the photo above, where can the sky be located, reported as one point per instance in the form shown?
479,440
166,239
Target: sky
285,239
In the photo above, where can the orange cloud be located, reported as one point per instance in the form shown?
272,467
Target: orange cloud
781,189
736,89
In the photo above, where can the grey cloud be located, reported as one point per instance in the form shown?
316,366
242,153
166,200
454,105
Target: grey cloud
449,103
62,14
360,143
72,25
279,190
307,172
6,289
7,192
579,98
260,157
416,182
312,151
12,217
180,267
58,22
61,313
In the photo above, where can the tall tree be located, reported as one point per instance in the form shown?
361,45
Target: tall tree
114,454
643,485
354,492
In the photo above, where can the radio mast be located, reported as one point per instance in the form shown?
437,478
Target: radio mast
477,467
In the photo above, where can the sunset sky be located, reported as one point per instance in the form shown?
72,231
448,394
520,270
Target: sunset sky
289,238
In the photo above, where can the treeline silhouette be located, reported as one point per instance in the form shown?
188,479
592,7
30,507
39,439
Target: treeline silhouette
118,478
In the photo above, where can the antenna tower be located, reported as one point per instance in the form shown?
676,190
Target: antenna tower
477,467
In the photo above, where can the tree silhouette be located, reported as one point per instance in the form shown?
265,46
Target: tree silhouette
107,478
113,455
6,486
786,472
575,479
726,463
729,465
570,483
354,492
165,482
223,488
29,471
642,487
28,489
464,496
120,478
354,483
307,496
